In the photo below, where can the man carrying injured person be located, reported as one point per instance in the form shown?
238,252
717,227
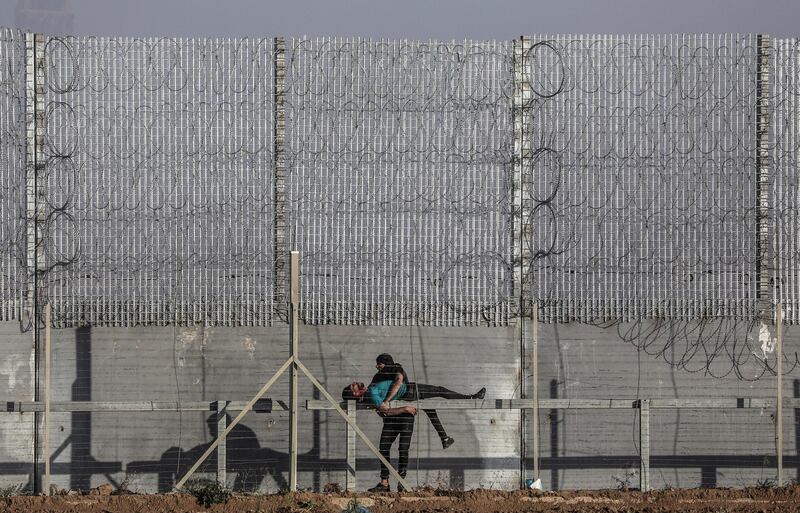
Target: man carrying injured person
389,383
389,370
397,422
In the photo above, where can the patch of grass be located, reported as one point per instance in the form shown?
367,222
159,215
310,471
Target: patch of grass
765,484
332,488
307,504
208,493
10,490
625,482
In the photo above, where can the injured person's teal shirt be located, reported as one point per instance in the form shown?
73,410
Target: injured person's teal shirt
377,391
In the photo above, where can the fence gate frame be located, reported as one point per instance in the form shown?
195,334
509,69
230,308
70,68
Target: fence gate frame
293,363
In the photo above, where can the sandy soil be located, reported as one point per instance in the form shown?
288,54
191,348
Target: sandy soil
786,499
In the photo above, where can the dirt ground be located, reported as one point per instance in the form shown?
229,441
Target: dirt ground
786,499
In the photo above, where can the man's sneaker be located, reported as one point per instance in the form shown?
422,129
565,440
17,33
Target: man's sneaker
379,488
447,442
481,394
400,488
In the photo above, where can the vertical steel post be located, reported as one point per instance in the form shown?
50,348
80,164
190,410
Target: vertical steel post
779,392
535,368
279,179
350,479
644,445
47,343
222,448
521,159
34,216
520,217
294,315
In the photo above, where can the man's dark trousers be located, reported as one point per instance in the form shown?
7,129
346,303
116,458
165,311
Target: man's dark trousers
395,426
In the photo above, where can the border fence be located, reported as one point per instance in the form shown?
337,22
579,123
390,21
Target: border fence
645,184
603,176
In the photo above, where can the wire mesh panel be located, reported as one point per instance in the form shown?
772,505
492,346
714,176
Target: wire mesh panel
643,176
446,448
183,366
12,172
785,115
586,449
398,180
159,180
741,452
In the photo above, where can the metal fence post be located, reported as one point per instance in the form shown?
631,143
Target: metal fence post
294,319
279,178
47,344
779,392
521,215
644,444
35,218
222,448
522,156
350,479
535,366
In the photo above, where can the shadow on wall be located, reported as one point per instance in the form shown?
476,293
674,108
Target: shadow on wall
252,463
83,463
245,457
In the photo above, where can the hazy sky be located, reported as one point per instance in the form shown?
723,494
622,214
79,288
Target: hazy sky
418,19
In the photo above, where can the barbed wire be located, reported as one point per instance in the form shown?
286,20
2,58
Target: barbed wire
398,158
643,186
159,186
643,176
13,226
639,201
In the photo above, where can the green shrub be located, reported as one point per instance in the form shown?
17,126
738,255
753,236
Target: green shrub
8,491
209,492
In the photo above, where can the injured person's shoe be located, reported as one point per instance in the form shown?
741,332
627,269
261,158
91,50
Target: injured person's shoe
447,442
481,394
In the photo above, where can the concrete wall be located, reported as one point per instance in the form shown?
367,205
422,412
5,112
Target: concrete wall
16,384
580,449
689,448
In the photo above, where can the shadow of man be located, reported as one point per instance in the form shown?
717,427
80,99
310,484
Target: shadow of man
245,456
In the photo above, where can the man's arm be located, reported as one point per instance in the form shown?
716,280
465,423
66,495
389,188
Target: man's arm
391,412
396,384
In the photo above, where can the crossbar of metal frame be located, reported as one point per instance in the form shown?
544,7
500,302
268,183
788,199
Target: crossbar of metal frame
347,410
270,405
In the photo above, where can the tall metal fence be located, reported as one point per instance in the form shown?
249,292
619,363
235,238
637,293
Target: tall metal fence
13,270
425,183
643,186
398,180
643,175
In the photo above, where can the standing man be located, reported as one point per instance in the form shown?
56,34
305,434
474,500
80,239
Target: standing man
397,422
